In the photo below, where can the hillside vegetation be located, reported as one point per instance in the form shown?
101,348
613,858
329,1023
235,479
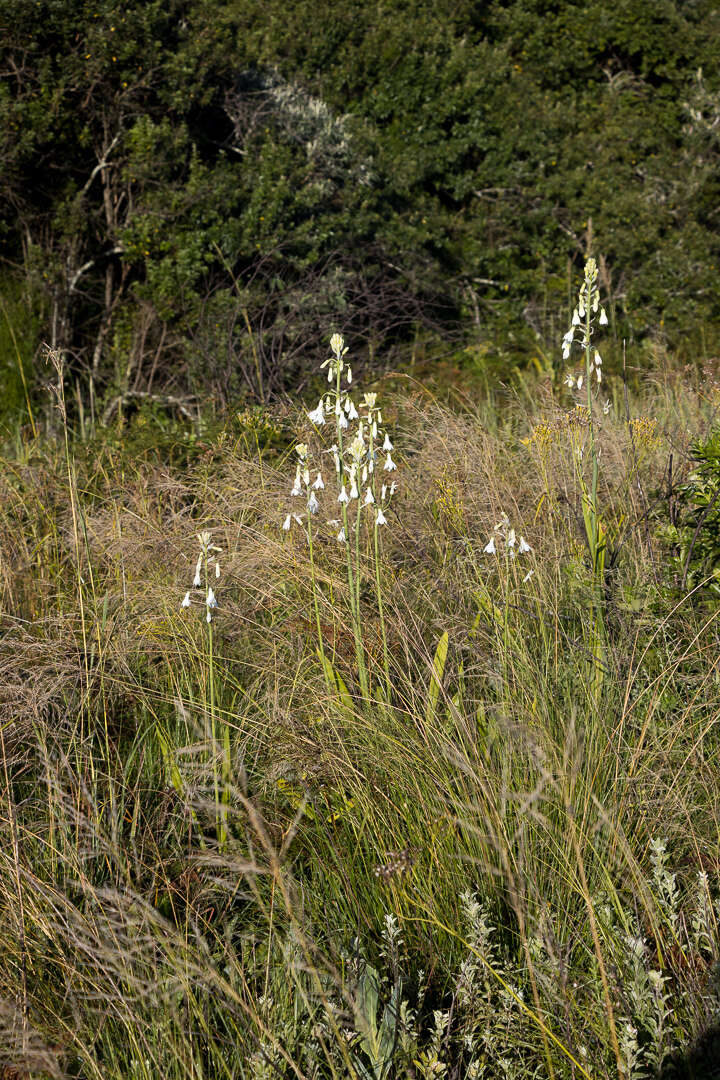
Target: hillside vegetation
192,192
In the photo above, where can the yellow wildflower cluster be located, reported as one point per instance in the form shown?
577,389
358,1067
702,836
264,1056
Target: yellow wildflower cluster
548,432
448,505
644,431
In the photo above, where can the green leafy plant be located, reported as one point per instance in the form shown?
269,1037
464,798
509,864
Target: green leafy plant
698,532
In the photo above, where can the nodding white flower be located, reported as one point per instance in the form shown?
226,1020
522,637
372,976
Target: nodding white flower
319,485
197,580
511,539
354,493
210,600
296,517
186,599
383,492
374,427
523,546
598,372
566,350
217,569
317,416
342,422
380,518
352,413
389,465
349,374
286,522
569,380
371,465
607,407
387,445
313,505
490,548
369,497
581,309
341,537
575,318
603,317
364,474
580,381
330,375
527,577
208,615
296,488
306,476
598,359
393,488
337,342
343,496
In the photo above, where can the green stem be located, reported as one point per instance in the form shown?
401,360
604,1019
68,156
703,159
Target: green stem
354,601
313,584
378,585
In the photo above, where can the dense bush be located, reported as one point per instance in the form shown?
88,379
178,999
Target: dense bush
198,188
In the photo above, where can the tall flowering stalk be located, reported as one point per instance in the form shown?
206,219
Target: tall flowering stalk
360,452
588,317
304,486
207,570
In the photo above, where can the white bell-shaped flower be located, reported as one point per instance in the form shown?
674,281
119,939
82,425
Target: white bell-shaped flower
318,484
380,518
286,522
490,548
369,497
313,505
387,445
523,546
317,416
186,599
389,465
343,497
603,320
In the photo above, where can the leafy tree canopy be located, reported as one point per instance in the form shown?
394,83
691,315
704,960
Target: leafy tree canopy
198,189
